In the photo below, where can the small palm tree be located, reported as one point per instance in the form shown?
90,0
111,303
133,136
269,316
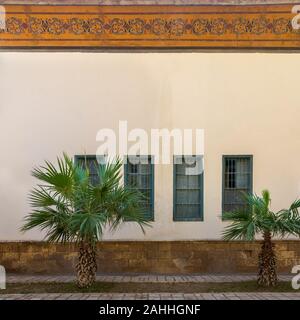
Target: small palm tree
257,218
68,206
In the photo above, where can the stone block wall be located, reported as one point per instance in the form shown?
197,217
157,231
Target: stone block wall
161,257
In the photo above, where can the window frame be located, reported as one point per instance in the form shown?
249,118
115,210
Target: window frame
240,156
201,188
152,194
78,157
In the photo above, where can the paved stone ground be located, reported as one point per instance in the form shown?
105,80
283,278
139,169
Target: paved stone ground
11,278
16,278
154,296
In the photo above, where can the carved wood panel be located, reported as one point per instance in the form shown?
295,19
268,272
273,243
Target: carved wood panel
257,26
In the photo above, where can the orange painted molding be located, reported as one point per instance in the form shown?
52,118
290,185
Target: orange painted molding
215,26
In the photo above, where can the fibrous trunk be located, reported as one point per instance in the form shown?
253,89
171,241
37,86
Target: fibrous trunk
87,266
267,262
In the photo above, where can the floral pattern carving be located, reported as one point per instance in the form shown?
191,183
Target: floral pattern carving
259,25
281,26
136,26
77,26
14,25
201,26
96,26
118,26
159,27
36,25
218,26
177,27
55,26
240,26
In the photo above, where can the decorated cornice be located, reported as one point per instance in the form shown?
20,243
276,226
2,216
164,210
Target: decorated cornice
86,26
147,2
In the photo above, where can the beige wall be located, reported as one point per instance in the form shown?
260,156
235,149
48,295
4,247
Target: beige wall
247,103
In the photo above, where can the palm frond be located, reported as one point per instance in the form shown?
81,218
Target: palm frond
288,220
41,197
69,206
241,227
110,174
258,205
260,219
125,205
266,197
58,179
55,224
81,175
88,226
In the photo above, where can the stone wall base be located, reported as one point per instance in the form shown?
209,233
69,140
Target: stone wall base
161,257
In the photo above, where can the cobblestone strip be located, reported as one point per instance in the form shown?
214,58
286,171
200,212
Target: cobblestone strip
141,278
155,296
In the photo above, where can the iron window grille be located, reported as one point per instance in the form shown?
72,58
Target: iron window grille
237,181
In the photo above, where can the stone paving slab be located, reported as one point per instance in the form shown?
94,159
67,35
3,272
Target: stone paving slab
155,296
17,278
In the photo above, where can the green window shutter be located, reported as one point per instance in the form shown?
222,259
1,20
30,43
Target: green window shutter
237,181
188,189
139,174
90,162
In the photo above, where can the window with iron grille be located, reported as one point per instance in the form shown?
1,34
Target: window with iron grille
139,174
237,181
188,190
90,162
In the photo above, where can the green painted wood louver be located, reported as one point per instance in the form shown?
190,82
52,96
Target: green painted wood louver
187,189
139,174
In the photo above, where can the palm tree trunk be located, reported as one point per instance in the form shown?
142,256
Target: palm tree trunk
87,265
267,262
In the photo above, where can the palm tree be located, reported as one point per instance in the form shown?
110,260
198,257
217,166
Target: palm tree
257,218
70,207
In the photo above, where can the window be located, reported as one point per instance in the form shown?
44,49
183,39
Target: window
90,162
139,174
237,180
188,189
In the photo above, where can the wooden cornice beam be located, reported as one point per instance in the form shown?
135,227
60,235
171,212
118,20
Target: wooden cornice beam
85,26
